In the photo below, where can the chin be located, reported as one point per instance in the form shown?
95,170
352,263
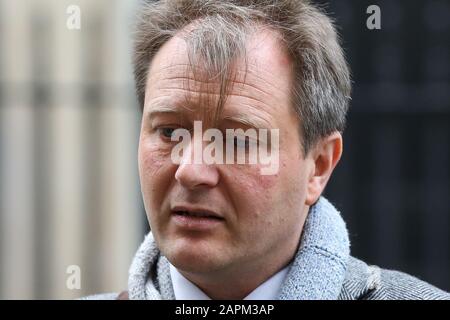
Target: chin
193,257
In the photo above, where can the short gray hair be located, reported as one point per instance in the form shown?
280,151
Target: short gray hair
322,86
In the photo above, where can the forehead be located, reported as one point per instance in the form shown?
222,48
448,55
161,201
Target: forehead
261,79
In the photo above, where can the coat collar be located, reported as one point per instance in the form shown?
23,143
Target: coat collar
319,267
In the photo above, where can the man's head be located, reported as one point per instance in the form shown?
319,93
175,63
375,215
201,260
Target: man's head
237,64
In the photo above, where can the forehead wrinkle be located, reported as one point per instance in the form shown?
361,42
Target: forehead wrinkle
182,101
241,77
189,100
188,73
190,97
195,86
258,99
254,73
211,89
244,74
237,85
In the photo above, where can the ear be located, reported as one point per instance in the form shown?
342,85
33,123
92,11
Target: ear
325,156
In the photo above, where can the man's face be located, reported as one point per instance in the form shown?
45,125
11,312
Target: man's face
259,218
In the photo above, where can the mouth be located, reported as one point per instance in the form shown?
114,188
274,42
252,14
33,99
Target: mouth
196,218
195,214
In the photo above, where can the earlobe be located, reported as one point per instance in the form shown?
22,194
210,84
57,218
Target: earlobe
325,156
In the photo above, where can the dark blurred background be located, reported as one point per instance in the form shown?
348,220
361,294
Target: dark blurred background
392,184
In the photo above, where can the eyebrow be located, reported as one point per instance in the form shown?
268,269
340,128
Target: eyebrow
254,122
162,109
241,118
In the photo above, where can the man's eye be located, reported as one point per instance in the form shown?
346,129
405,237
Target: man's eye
240,142
244,142
166,132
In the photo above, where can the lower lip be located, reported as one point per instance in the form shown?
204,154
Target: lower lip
196,223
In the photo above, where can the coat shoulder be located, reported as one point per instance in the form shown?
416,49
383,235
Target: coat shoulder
368,282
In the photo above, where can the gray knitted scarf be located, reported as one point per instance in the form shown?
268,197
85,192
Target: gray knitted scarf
317,271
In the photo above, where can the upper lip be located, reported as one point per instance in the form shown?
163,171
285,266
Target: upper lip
198,211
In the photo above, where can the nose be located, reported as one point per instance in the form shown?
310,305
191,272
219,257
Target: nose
192,175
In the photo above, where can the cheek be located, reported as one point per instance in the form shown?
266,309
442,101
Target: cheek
151,157
264,196
252,192
270,184
149,163
154,171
